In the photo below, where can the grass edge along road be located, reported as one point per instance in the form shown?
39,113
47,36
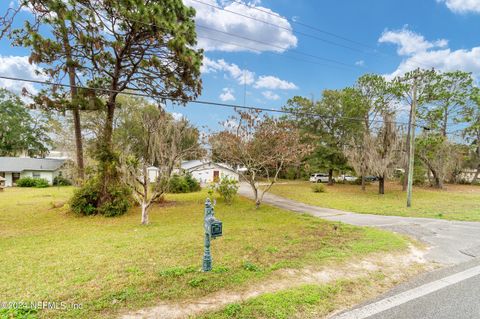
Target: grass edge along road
113,265
455,202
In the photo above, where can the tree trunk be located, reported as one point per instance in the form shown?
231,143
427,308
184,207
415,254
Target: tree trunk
330,176
381,184
363,183
144,214
78,144
477,174
75,109
438,182
106,159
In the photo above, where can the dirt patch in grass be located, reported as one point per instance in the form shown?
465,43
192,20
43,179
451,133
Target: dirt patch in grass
397,267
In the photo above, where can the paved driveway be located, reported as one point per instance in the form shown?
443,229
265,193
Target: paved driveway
451,242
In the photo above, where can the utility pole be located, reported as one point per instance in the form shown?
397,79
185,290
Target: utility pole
411,142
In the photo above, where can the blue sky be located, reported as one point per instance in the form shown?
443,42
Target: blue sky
385,36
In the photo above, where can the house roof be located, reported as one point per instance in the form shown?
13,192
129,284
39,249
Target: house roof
19,164
197,164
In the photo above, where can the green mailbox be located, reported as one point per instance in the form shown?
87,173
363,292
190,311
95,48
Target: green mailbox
213,229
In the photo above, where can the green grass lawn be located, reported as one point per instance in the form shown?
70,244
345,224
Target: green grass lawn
306,301
112,265
455,202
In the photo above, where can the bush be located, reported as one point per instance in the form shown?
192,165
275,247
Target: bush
119,201
227,188
183,184
26,182
41,183
61,181
32,182
318,188
178,184
85,200
193,184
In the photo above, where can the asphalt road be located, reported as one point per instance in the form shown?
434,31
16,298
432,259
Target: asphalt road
449,293
450,242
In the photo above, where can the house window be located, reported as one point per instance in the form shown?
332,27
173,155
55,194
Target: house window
36,175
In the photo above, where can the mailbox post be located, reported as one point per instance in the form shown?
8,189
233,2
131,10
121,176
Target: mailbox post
213,229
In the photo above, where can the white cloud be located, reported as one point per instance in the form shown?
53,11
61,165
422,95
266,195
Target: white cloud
244,76
18,66
360,63
409,42
462,6
177,116
234,71
227,95
269,95
435,55
273,83
212,18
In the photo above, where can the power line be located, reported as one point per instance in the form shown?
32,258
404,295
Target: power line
253,40
270,52
279,47
305,25
375,50
281,27
211,103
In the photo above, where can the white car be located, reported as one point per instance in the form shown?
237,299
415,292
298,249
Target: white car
346,178
319,178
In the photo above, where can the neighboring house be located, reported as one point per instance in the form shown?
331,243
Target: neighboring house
203,171
14,168
208,171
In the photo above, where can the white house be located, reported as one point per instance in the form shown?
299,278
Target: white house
203,171
208,171
14,168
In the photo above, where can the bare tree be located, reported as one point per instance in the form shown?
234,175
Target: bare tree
153,138
261,145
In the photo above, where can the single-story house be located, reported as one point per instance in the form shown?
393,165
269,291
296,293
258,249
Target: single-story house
203,171
14,168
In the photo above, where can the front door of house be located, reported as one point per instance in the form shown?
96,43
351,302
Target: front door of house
216,176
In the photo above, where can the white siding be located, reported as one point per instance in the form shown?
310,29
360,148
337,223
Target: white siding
205,174
49,176
8,179
152,174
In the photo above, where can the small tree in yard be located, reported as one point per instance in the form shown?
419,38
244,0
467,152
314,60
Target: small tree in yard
384,149
262,145
227,188
151,137
435,151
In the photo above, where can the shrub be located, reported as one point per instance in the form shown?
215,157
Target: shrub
26,182
227,188
41,183
85,200
183,184
32,182
318,188
119,201
178,184
61,181
193,184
